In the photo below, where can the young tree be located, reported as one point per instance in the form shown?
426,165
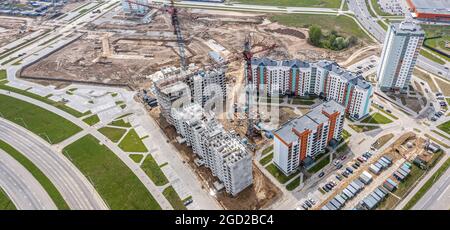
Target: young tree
315,35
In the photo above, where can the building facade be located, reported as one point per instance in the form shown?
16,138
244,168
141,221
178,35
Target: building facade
322,78
135,6
308,135
175,88
220,151
400,51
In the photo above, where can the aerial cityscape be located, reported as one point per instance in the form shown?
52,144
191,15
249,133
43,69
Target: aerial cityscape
224,105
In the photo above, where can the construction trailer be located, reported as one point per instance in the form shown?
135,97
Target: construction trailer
348,193
388,186
381,162
352,190
398,176
380,166
340,199
385,160
390,181
373,168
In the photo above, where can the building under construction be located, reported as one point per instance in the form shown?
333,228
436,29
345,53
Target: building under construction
174,87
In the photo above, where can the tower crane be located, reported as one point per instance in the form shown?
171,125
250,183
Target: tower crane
248,56
176,26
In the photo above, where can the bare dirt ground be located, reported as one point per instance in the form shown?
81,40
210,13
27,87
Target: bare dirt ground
73,4
12,29
137,49
261,194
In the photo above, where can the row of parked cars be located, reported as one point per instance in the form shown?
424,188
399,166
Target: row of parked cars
308,203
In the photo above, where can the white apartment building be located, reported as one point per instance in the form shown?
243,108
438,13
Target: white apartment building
307,136
139,8
219,150
174,88
401,48
322,78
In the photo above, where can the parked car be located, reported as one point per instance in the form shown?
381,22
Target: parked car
343,157
336,162
339,178
357,163
345,174
360,159
325,188
339,166
304,206
312,201
354,166
349,170
321,174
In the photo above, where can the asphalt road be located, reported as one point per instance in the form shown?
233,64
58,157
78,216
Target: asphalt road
70,182
21,187
438,197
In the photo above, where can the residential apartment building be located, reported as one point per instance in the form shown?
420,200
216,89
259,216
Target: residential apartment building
401,48
129,6
308,135
322,78
221,152
171,85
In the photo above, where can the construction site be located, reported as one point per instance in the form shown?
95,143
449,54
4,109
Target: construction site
12,29
123,49
120,48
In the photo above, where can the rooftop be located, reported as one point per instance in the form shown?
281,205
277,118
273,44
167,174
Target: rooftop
432,6
309,121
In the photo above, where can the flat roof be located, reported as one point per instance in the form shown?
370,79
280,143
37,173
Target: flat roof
432,7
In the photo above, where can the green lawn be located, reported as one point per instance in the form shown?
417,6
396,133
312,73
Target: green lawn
120,123
293,184
173,198
341,24
424,189
445,127
376,118
58,105
371,12
266,159
430,56
38,120
136,157
345,134
152,169
322,163
132,143
114,181
267,150
2,74
297,3
363,128
37,174
5,202
384,26
114,134
92,120
278,174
